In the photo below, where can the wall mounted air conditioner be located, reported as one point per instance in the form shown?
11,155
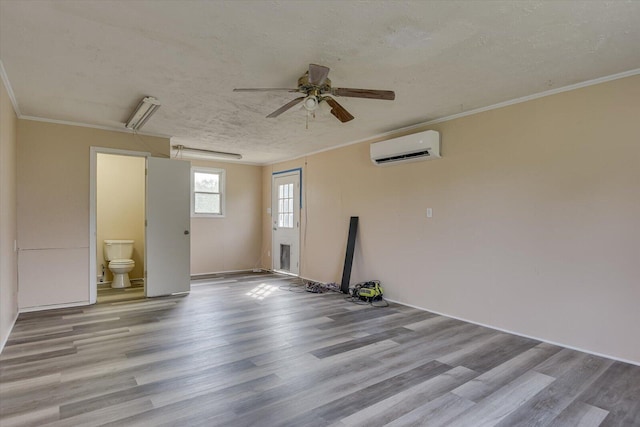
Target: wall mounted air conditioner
409,148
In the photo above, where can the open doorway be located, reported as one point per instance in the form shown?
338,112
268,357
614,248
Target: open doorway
165,250
117,212
120,214
120,228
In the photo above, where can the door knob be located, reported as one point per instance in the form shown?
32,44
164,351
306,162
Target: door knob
186,232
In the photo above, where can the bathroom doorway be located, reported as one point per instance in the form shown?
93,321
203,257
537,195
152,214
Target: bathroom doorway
164,250
120,215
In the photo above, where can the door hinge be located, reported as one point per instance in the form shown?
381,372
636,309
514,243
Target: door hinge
145,222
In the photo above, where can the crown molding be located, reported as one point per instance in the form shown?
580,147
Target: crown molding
421,125
382,135
85,125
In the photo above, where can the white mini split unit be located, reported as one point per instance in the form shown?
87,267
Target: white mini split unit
409,148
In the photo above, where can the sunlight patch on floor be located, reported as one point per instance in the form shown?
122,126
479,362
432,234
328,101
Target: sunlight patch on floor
261,291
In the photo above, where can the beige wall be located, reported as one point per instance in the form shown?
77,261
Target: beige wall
53,206
233,242
8,257
120,195
536,219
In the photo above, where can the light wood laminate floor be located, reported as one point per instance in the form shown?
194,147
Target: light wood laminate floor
243,350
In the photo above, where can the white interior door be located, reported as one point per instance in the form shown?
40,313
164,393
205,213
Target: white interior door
285,208
168,246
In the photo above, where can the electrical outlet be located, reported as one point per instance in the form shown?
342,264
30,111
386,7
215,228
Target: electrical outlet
429,213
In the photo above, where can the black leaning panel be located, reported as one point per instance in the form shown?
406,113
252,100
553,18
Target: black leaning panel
348,259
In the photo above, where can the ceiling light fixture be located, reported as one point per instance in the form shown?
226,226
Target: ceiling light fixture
145,109
199,153
310,103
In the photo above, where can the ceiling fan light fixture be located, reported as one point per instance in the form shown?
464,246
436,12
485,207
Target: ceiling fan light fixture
314,85
310,103
143,111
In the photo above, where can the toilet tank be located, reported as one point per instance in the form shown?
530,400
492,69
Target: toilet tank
118,249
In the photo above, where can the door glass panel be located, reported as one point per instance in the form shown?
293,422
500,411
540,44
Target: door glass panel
285,206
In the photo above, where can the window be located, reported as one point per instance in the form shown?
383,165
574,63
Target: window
285,206
207,192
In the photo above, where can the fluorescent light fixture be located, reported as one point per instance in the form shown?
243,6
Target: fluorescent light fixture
199,153
145,109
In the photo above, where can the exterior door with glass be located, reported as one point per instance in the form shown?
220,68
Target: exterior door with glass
285,221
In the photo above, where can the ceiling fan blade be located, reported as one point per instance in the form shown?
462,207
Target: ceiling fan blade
338,110
317,74
364,93
285,107
266,89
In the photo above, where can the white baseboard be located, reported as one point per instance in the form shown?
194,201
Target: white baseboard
607,356
4,341
284,273
54,306
248,270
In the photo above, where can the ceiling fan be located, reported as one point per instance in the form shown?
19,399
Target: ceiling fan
316,86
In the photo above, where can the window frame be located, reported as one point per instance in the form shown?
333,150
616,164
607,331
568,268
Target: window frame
289,198
221,191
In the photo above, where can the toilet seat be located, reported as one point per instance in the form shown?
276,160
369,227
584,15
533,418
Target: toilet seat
121,262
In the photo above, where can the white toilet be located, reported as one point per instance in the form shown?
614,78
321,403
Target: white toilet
118,253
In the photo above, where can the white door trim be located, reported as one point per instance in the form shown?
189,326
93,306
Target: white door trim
93,189
289,172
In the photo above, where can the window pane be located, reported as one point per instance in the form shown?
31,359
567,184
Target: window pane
291,220
207,203
206,182
290,205
281,191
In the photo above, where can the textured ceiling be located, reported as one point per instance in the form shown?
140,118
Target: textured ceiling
90,62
